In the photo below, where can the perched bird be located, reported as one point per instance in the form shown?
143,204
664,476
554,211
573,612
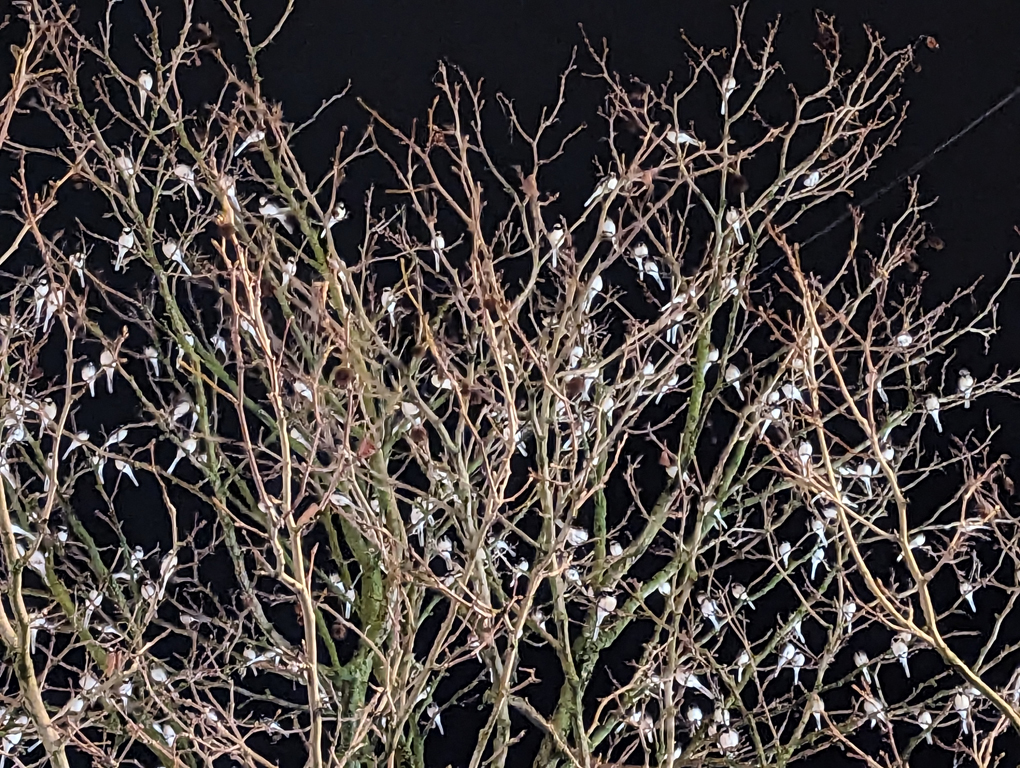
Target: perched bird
125,243
88,375
965,386
900,650
593,291
861,661
680,138
817,708
931,407
733,219
172,251
924,720
609,230
187,448
77,262
256,135
186,174
812,179
437,245
709,609
690,680
126,166
144,89
607,185
338,214
605,606
961,704
108,364
849,610
784,552
555,236
729,85
271,210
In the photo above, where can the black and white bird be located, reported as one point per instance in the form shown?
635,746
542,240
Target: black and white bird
556,236
144,89
255,136
607,185
729,85
271,210
125,243
965,386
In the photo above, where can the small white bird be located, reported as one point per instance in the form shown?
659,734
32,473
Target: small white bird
88,375
916,541
256,135
904,340
861,661
289,270
338,214
784,552
186,174
785,657
607,185
690,680
739,592
435,717
732,376
875,711
680,138
144,89
125,468
126,166
78,440
605,606
965,386
961,703
798,662
593,291
817,558
172,251
108,364
742,662
931,407
125,243
729,85
41,291
900,650
437,246
817,708
271,210
388,299
556,237
812,179
710,610
729,740
924,720
967,593
187,448
849,611
152,358
713,357
790,392
733,219
804,452
609,230
77,262
694,716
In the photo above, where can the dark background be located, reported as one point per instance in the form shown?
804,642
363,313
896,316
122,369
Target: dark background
388,51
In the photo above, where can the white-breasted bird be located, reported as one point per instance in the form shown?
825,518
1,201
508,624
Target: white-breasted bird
108,365
437,245
849,610
817,708
187,448
931,407
729,85
817,558
338,214
271,210
812,179
965,386
680,138
88,375
77,262
151,356
733,219
186,174
784,552
961,705
900,650
125,243
144,89
256,135
607,185
605,606
127,169
690,680
710,610
556,235
924,720
967,593
172,251
732,376
861,662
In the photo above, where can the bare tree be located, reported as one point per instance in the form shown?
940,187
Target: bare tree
419,476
